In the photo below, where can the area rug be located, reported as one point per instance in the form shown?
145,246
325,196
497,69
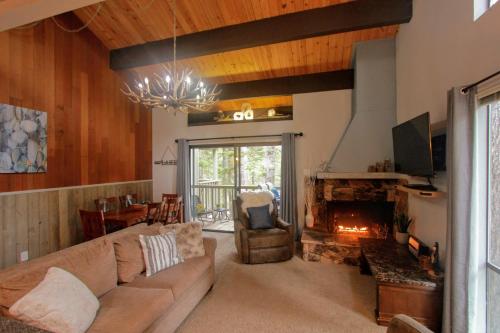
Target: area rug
292,296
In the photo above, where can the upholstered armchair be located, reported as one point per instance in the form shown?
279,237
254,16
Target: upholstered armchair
262,245
404,324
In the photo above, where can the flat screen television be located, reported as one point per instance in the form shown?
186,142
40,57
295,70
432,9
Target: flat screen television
413,148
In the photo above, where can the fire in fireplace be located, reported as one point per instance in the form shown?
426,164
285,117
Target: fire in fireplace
360,218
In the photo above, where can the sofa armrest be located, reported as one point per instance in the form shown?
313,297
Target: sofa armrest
280,223
241,241
210,244
404,324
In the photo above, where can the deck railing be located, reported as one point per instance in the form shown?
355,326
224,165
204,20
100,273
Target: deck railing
218,196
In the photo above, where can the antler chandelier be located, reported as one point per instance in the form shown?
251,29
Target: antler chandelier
171,90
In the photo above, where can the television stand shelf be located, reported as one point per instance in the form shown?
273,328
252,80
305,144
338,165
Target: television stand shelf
420,193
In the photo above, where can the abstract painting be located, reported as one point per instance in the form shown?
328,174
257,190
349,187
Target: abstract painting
23,140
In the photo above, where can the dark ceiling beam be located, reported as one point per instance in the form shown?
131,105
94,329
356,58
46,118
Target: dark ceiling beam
350,16
337,80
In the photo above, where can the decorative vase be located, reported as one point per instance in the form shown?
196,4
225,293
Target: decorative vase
309,220
402,237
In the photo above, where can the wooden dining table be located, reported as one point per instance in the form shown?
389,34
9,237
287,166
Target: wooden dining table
126,217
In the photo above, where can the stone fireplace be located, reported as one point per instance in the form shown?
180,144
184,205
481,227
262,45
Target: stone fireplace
350,208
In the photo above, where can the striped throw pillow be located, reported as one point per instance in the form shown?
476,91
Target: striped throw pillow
160,252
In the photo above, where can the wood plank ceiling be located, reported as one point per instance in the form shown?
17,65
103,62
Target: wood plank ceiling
123,23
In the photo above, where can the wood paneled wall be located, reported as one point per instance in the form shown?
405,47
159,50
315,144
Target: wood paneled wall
42,222
95,135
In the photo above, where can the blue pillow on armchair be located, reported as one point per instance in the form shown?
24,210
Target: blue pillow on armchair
260,218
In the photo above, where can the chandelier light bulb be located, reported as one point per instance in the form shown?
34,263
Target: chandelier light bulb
173,89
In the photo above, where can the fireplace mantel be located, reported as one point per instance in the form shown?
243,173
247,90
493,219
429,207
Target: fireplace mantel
360,175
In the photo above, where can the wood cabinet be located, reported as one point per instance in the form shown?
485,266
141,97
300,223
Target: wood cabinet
403,287
422,303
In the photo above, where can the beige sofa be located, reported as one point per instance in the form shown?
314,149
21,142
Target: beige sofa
146,304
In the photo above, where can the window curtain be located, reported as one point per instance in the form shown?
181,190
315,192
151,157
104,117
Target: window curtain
184,176
288,204
460,150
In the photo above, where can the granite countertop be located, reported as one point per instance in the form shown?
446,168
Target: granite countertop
391,262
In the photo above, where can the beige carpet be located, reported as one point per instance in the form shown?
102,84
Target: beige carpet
293,296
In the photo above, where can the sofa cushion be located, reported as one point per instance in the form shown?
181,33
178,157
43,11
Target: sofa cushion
260,218
129,257
130,310
263,238
179,278
91,262
60,303
189,238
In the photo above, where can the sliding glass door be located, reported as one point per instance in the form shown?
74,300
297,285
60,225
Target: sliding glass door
219,173
493,231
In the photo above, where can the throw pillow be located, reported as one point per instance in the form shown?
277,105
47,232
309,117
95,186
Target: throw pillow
60,303
159,252
189,237
129,257
260,218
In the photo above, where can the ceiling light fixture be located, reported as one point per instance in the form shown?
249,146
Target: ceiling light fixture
171,90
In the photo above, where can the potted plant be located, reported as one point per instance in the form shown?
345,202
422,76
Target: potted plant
402,222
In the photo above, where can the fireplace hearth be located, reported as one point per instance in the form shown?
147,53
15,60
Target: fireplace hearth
349,209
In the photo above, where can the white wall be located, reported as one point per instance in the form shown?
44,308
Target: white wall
374,109
321,116
440,48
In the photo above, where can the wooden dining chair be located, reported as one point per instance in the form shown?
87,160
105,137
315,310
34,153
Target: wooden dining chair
128,200
106,204
153,215
169,196
93,225
169,212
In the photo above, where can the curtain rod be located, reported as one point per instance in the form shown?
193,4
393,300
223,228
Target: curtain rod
241,137
466,89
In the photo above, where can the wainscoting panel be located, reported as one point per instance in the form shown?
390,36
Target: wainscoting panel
45,221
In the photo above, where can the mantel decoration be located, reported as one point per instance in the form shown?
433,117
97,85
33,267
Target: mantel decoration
172,90
23,140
